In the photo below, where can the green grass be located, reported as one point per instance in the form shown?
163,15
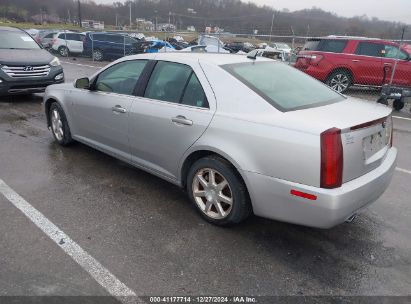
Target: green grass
28,25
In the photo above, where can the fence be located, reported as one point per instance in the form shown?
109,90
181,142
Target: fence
361,76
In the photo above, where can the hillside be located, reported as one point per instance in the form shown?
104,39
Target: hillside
232,15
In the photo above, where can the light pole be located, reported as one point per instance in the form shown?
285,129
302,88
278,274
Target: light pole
79,13
130,14
272,24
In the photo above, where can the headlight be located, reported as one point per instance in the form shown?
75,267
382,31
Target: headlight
55,62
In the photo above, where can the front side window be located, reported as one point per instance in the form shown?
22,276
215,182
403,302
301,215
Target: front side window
392,51
17,40
284,87
168,81
121,78
370,49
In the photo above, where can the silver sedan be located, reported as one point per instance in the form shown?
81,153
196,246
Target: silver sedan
243,135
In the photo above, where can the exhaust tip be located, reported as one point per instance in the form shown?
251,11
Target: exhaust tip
351,218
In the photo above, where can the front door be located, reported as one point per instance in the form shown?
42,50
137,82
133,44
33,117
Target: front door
101,115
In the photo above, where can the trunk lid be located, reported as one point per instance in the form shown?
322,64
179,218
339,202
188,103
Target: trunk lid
365,132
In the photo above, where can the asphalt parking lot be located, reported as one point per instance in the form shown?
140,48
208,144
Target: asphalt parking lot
148,240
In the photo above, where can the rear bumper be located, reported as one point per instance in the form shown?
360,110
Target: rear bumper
272,199
13,86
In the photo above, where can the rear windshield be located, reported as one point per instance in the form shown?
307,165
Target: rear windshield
284,87
326,45
17,40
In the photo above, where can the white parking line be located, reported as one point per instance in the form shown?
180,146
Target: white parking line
80,64
403,170
403,118
104,277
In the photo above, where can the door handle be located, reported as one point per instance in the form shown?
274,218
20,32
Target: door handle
119,109
181,120
355,60
387,64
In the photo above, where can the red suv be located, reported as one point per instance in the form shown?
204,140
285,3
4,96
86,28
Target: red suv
341,62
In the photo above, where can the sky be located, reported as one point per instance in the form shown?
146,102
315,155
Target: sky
392,10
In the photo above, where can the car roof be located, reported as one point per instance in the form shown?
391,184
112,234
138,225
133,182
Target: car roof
10,29
211,58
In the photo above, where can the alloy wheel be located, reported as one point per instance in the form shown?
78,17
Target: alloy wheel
57,125
212,193
340,82
64,52
97,55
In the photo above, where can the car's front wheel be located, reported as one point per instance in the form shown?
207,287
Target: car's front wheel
59,125
63,51
398,105
340,81
218,192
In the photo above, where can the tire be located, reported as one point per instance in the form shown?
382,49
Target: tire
219,212
340,81
63,51
398,105
98,55
59,125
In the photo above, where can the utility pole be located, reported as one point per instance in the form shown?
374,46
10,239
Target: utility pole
79,13
272,24
130,14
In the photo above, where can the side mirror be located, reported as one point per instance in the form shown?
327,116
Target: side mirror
82,83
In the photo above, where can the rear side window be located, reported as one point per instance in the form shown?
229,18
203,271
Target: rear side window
194,94
369,49
177,83
286,89
168,81
311,45
333,46
392,51
49,35
115,38
326,45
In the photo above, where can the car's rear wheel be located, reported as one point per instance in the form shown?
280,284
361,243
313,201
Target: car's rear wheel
59,125
218,192
98,55
63,51
398,105
340,81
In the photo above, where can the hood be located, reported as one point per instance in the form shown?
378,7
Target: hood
25,57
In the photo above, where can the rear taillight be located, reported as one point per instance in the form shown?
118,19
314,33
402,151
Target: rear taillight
331,159
315,59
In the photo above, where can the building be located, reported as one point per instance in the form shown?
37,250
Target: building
92,24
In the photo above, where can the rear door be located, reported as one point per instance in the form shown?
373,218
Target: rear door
173,111
367,63
76,42
101,115
402,74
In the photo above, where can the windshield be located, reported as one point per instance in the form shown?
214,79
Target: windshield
284,87
282,46
17,40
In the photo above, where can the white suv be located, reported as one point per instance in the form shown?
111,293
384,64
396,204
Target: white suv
66,43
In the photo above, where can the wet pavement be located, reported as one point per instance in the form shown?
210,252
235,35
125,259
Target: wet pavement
146,233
